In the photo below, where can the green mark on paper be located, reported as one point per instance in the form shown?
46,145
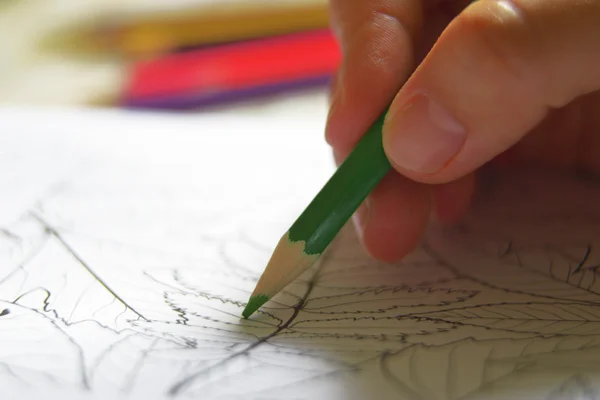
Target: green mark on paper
254,304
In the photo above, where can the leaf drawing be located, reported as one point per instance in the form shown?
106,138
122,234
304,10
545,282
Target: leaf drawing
554,257
384,301
123,275
497,369
540,318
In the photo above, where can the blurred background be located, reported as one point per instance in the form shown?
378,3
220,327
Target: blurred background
169,55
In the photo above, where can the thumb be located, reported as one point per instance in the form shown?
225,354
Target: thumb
493,75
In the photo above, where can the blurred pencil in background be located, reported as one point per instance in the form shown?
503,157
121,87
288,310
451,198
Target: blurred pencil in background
233,72
169,54
202,22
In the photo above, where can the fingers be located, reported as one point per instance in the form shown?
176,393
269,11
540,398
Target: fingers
392,220
451,200
493,75
376,41
590,143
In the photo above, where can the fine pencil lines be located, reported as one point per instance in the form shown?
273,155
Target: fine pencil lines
72,251
130,281
180,386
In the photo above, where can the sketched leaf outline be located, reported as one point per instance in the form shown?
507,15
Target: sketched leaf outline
577,270
483,315
460,296
492,351
287,326
506,249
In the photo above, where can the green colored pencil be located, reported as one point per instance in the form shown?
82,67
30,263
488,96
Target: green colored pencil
324,217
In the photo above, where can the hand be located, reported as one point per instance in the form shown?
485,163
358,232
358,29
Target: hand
516,78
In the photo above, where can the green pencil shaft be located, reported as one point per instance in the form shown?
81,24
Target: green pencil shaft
334,205
325,216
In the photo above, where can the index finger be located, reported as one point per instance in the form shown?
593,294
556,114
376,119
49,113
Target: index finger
377,43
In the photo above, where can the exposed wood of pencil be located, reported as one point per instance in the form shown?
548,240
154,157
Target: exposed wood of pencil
286,264
324,217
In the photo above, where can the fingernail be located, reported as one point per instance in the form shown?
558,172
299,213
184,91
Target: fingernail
423,136
338,157
335,91
335,100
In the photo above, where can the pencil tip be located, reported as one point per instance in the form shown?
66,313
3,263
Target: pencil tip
254,304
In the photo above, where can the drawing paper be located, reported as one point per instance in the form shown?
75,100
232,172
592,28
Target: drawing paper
130,243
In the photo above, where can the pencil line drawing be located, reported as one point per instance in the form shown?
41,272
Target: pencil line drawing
125,284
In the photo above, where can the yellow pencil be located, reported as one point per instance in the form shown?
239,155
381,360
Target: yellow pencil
155,34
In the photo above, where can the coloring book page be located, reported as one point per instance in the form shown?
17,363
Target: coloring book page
129,245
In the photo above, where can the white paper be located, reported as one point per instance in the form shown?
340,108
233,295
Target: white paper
129,245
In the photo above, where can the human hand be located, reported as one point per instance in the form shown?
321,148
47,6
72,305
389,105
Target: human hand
519,78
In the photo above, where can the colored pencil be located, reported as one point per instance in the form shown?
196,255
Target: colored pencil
317,226
196,100
234,71
324,217
161,33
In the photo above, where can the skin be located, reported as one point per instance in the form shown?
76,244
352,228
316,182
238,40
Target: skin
509,82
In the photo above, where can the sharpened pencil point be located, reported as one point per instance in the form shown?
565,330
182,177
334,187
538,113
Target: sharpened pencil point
321,221
254,304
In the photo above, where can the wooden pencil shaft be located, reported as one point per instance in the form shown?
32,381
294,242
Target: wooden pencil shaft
324,217
333,206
